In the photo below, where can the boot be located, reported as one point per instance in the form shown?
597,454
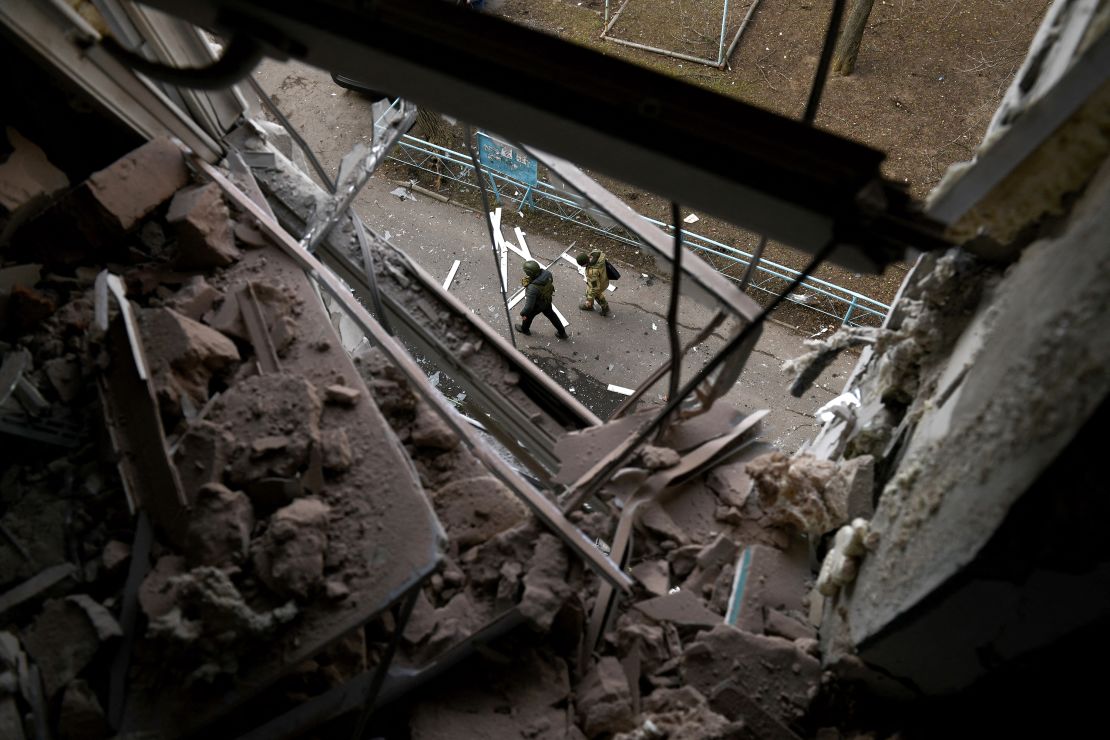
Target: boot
605,310
587,306
562,335
522,330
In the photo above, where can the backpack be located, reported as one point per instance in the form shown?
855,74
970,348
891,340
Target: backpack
612,272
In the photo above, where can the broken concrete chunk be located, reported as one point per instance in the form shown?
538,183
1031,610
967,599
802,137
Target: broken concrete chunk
545,582
453,623
184,355
659,458
768,578
61,641
682,608
421,622
603,699
204,237
262,446
781,679
201,456
336,590
26,174
247,231
655,519
790,492
115,555
139,182
64,375
680,713
276,404
851,489
431,431
654,576
290,556
81,716
101,619
683,560
720,551
475,509
158,593
734,703
195,299
781,625
646,641
220,527
341,395
26,309
337,450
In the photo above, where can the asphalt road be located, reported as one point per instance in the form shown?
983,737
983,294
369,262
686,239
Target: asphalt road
622,349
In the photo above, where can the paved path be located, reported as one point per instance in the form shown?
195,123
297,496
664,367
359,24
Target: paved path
622,349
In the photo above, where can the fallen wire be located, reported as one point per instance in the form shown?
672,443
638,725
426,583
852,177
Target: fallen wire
590,488
478,174
822,73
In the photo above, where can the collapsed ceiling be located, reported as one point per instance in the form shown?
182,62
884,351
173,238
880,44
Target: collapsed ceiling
212,508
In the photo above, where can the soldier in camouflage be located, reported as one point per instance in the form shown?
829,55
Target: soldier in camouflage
597,280
539,288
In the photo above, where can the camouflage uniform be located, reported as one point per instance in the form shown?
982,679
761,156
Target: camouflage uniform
539,287
597,281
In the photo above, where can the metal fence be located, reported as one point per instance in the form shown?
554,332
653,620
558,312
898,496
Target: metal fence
832,300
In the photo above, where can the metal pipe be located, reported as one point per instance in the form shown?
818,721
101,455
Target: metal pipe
721,44
489,224
664,52
740,32
616,15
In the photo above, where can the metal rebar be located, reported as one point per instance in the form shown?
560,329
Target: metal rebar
823,63
672,310
721,44
371,274
592,480
609,23
664,52
478,174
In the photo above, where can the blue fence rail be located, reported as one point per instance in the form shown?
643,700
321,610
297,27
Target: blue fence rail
842,304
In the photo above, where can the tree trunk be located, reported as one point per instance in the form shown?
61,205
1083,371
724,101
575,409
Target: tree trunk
847,46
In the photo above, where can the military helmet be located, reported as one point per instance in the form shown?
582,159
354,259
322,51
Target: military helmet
582,259
532,268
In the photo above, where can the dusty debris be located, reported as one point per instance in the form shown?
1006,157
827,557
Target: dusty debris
158,592
62,641
659,458
194,299
81,716
653,575
768,579
64,374
201,456
474,510
35,587
290,556
26,174
137,183
545,582
603,699
790,492
430,430
681,714
850,492
682,608
219,527
337,450
204,237
115,555
773,672
341,395
184,356
842,562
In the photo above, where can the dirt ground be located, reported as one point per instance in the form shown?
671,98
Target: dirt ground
929,75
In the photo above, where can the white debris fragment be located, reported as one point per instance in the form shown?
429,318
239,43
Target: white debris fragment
692,218
620,389
842,563
654,327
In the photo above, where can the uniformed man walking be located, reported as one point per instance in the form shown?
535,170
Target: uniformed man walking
597,280
539,288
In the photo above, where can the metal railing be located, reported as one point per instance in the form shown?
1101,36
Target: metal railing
837,302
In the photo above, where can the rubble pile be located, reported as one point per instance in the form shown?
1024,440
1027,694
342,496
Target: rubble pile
212,505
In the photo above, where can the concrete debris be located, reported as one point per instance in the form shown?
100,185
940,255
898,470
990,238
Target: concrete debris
654,576
81,716
341,395
26,309
659,458
64,374
656,520
139,182
36,587
290,556
850,492
194,299
337,450
790,492
62,641
768,579
201,456
681,608
26,174
430,430
100,618
184,356
474,510
115,555
204,237
773,672
211,626
604,701
681,714
545,582
158,592
266,406
842,562
220,527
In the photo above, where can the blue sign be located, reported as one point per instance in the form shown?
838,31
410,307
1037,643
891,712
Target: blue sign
497,156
